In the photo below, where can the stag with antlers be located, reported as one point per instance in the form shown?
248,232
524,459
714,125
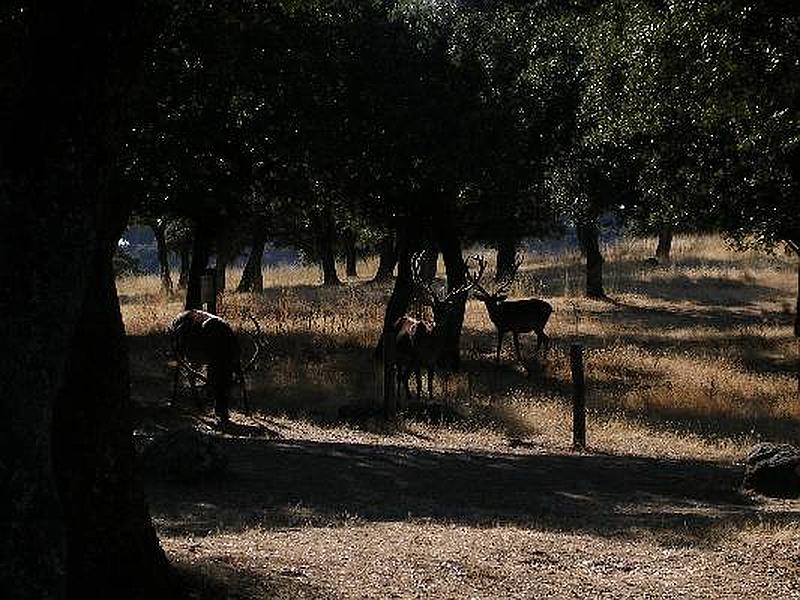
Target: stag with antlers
419,343
201,339
518,315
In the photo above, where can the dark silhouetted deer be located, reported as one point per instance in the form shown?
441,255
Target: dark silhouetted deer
201,339
419,343
518,315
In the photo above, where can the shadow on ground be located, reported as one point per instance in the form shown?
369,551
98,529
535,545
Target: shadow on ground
289,483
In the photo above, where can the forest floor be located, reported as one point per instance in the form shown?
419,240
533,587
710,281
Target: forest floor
690,365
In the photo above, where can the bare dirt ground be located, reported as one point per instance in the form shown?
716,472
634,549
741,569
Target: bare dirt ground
689,367
303,518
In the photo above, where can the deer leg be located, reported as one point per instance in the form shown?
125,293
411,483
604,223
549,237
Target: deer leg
500,335
418,375
175,381
430,384
542,340
516,348
243,383
193,385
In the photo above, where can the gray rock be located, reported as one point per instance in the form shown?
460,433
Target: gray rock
184,455
773,470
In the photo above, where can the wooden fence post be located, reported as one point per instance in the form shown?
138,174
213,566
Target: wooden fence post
579,397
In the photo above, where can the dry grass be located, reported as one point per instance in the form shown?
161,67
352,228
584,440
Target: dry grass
692,363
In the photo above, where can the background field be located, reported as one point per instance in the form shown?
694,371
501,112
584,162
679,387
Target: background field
689,366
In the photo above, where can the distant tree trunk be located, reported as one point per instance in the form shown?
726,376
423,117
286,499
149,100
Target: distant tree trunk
664,243
185,258
252,275
223,260
201,249
589,235
159,228
387,260
328,255
506,255
450,244
350,254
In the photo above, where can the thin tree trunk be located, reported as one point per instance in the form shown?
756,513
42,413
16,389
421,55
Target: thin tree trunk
664,243
506,254
223,259
185,258
252,275
350,254
590,238
387,260
159,228
201,249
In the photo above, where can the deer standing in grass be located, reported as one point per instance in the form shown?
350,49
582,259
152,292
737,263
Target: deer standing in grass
201,339
419,343
518,315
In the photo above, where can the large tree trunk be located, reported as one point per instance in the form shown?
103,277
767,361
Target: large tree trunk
396,307
450,244
159,228
201,250
589,236
185,258
664,244
61,489
252,275
328,255
387,260
506,255
797,309
350,254
111,544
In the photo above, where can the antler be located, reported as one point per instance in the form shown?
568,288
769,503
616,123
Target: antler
256,341
472,280
421,285
505,282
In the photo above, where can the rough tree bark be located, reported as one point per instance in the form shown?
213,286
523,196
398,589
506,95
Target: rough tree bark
185,258
450,244
506,254
350,254
664,247
159,227
387,260
589,237
201,250
328,255
62,490
252,275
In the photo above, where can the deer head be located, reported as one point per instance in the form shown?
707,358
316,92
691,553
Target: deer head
442,305
501,287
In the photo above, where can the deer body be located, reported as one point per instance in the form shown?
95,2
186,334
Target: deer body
199,339
417,343
516,316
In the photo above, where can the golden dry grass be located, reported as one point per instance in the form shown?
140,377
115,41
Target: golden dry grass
692,362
